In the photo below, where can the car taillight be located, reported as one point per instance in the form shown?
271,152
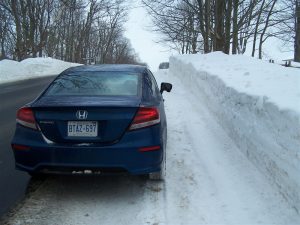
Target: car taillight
149,148
26,118
20,147
145,117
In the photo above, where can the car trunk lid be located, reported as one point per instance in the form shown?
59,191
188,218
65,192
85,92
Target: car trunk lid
113,115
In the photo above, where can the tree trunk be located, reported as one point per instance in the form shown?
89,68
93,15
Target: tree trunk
235,26
261,40
219,31
19,45
3,55
256,28
297,38
228,27
207,27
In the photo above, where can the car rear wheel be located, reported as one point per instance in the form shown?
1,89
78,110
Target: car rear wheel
161,174
37,176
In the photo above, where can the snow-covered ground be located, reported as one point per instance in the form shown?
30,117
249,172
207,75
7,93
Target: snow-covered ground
209,179
29,68
258,105
274,83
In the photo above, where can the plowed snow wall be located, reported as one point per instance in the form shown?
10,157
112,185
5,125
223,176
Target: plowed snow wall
269,137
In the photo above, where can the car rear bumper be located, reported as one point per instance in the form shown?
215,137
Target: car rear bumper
123,156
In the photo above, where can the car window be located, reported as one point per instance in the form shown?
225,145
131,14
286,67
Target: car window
154,87
149,87
95,83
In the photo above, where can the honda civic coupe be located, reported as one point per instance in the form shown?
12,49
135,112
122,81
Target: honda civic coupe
100,119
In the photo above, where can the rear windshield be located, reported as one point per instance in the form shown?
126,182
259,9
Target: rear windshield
95,84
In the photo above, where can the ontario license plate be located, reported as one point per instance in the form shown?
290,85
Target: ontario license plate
82,128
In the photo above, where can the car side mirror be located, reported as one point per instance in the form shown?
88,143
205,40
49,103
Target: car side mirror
165,87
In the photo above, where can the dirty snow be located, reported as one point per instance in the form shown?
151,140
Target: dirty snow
209,180
11,70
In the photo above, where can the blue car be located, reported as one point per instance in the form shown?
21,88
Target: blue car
102,119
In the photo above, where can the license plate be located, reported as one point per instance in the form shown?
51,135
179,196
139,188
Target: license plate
82,128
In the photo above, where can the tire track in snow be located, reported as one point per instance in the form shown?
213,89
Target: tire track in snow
228,188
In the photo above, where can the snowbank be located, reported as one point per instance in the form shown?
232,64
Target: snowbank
34,67
258,104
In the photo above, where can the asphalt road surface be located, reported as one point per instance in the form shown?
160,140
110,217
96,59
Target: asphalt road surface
13,183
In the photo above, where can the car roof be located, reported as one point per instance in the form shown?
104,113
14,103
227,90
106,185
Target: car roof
108,68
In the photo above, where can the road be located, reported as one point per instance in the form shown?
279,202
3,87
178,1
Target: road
209,181
13,183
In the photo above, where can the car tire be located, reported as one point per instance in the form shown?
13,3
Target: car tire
37,176
161,175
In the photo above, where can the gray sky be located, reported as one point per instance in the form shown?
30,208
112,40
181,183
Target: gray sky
143,40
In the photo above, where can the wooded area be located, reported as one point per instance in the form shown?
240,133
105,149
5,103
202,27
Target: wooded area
92,30
70,30
231,26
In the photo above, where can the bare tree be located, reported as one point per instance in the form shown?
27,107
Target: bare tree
297,28
71,30
222,25
5,36
262,38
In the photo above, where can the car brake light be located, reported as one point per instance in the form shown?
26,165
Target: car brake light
145,117
20,147
26,118
149,148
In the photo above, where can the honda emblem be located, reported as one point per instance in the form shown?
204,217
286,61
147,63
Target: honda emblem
81,114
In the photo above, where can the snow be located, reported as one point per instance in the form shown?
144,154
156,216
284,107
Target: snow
209,179
29,68
275,83
258,105
296,64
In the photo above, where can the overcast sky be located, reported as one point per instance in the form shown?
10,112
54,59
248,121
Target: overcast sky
142,39
138,30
